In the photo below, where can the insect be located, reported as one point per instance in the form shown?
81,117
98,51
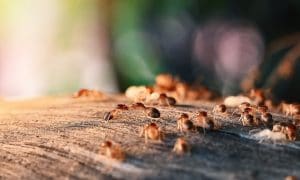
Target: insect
162,100
286,128
250,110
181,146
204,121
242,107
267,119
235,101
291,132
110,115
122,107
138,93
257,95
153,112
219,109
279,132
138,105
290,109
270,104
80,93
254,111
256,119
184,123
112,150
88,93
202,113
182,90
165,81
267,134
113,113
151,131
171,101
247,119
165,100
262,109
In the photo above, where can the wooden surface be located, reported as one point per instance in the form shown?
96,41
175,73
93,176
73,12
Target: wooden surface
58,138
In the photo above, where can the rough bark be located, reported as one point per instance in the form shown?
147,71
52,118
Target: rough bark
60,137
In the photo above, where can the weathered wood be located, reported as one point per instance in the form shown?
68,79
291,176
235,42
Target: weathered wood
60,138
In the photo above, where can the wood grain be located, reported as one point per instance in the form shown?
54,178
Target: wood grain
59,138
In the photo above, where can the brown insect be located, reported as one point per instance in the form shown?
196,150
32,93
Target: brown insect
290,109
250,110
112,150
194,94
247,119
181,146
138,105
113,113
149,89
267,119
184,124
204,121
162,100
264,118
267,134
242,107
288,129
88,93
278,127
171,101
257,95
122,107
270,104
202,114
291,132
182,90
153,112
165,81
262,109
165,100
219,109
253,112
151,131
80,93
110,114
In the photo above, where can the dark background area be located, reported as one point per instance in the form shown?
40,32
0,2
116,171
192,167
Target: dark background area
159,23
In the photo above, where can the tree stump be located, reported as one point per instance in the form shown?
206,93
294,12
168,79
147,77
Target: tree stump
54,138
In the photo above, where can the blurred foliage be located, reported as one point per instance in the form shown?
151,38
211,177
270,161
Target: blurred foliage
150,37
136,59
139,39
